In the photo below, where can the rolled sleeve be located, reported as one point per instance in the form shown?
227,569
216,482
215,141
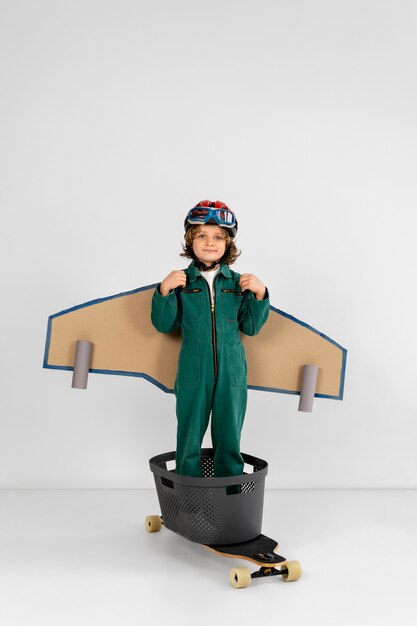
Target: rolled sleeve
254,313
164,313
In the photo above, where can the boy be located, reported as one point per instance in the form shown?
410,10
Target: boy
211,304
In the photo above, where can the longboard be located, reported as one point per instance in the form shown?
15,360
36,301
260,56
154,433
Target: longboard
126,343
260,551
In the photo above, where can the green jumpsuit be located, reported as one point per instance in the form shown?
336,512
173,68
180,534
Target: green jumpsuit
212,368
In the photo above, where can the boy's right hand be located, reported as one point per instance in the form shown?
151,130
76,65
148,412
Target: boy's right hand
175,279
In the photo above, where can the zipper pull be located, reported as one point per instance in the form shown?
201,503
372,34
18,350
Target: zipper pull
212,307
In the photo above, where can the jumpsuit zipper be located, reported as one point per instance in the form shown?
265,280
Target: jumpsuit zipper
214,334
213,322
213,325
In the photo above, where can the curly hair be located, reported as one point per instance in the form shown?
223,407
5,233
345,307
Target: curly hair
229,256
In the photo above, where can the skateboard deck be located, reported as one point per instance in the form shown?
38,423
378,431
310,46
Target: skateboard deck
261,552
126,343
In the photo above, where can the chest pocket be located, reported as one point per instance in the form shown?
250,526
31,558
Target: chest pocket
231,302
191,302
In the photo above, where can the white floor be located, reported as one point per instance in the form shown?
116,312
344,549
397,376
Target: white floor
74,557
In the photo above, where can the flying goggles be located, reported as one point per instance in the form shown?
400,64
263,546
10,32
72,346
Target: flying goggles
202,215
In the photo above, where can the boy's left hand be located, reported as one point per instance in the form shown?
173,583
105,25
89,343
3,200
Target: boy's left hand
251,282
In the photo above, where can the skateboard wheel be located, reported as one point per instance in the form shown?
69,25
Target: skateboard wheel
240,577
153,523
294,571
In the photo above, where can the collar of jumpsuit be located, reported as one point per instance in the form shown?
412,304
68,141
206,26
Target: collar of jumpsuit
194,272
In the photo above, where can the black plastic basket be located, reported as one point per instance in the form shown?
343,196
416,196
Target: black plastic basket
206,510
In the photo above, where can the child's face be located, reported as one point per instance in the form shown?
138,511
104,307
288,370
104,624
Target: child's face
209,244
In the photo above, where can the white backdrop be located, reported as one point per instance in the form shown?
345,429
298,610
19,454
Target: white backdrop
118,116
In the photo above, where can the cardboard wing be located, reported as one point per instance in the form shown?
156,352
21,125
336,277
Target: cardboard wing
126,343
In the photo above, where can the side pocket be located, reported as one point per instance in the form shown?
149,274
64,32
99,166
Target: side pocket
188,375
237,367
